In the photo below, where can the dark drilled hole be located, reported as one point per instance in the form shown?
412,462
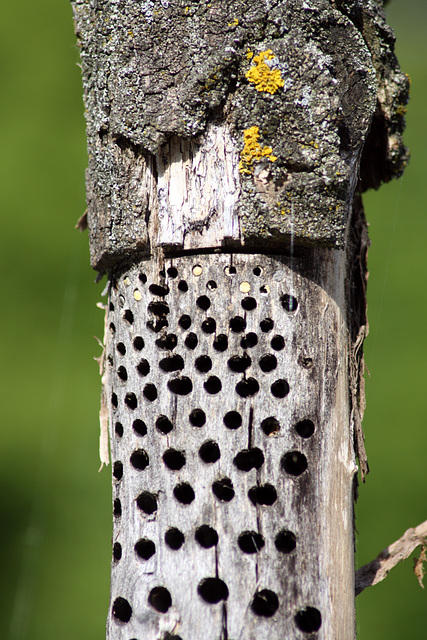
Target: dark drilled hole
159,290
138,343
239,364
180,386
237,324
112,327
118,470
191,341
182,286
122,373
139,427
264,290
263,494
247,388
266,325
121,610
249,341
221,342
280,388
131,401
289,303
268,362
294,463
184,493
150,392
128,316
206,536
174,459
285,541
118,428
160,599
257,271
197,417
209,325
223,489
212,590
142,277
158,325
172,272
174,538
114,400
121,348
139,459
209,452
203,302
184,322
117,508
121,301
270,426
265,603
249,303
172,363
308,620
212,385
164,425
249,459
143,367
117,551
159,309
211,285
145,548
277,343
203,364
232,420
168,342
250,542
305,362
304,428
230,271
147,502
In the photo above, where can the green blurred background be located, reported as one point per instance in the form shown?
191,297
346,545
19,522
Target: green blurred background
55,533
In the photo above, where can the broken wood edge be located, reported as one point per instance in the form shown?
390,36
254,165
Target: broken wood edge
378,569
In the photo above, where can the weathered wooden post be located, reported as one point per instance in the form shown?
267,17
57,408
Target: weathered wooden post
228,144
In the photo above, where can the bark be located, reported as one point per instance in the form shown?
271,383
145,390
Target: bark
228,147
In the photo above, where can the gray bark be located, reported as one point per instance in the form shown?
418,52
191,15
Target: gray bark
228,145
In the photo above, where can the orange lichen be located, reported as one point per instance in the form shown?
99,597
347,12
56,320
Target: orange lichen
252,151
262,76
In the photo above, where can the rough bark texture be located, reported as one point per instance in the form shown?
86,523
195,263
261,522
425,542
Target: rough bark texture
228,146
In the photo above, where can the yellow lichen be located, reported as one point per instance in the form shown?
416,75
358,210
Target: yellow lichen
249,54
264,78
252,150
234,23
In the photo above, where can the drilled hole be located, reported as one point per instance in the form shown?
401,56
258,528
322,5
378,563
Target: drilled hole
191,341
209,452
249,303
211,285
168,342
114,400
180,386
139,427
184,493
174,538
266,325
237,324
160,599
305,428
142,277
110,360
118,470
250,542
158,290
280,388
203,302
230,271
171,363
294,463
264,290
203,364
172,272
268,363
117,508
247,388
265,603
249,341
249,459
305,362
289,303
263,494
223,489
239,364
147,502
212,590
138,343
139,459
221,342
131,401
213,385
308,620
182,286
128,316
257,271
158,308
112,327
145,548
206,536
197,417
118,428
121,610
121,348
121,300
285,541
209,325
277,343
150,392
184,322
232,420
270,426
158,325
143,367
122,373
117,551
174,459
164,425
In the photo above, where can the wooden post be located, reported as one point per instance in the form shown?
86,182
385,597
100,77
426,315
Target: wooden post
228,145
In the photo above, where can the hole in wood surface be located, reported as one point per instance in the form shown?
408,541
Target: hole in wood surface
206,536
183,286
167,342
117,508
304,428
121,300
249,303
289,303
181,386
221,342
223,489
248,459
305,362
266,325
112,328
147,502
294,463
117,551
270,426
209,452
158,325
118,470
184,493
172,363
264,494
150,392
121,610
249,341
230,271
257,271
212,590
118,428
111,306
237,324
114,400
142,277
143,367
197,417
174,538
280,388
139,427
277,343
211,285
138,343
145,548
264,290
212,385
139,459
122,373
158,308
265,603
131,401
232,420
247,388
160,599
174,459
128,316
191,341
172,272
308,619
163,424
203,364
209,325
239,364
203,302
159,290
185,322
121,348
250,542
197,270
268,363
285,541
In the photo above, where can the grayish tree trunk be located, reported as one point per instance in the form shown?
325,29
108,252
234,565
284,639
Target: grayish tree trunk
228,144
